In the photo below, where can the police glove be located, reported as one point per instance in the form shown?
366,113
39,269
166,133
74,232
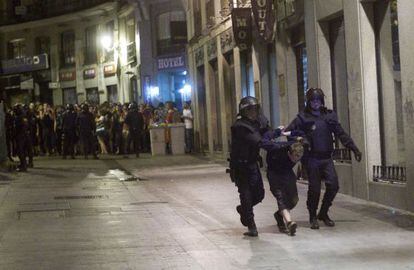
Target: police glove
357,154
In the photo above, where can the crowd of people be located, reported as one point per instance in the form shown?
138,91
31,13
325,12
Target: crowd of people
67,131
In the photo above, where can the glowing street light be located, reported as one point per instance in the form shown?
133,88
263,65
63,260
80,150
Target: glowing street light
106,42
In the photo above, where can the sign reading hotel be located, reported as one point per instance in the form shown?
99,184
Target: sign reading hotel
242,27
264,16
172,62
25,64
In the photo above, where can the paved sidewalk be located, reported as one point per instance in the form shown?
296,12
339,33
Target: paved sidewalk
180,214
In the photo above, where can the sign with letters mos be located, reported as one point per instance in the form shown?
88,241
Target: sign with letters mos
242,27
264,16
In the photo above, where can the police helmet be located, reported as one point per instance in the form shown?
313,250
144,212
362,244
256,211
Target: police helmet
70,107
248,103
133,107
315,93
85,107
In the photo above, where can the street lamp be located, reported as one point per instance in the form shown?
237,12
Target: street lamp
107,42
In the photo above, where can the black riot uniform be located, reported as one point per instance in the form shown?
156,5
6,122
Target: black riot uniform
135,123
319,126
69,131
9,126
23,137
87,127
246,136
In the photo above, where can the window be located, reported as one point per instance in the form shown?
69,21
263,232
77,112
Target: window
210,13
109,30
171,32
17,48
42,45
68,48
90,45
197,17
389,83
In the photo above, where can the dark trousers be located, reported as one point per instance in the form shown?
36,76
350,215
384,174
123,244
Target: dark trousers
25,149
283,187
117,142
318,170
189,137
48,140
88,142
59,144
135,139
69,142
251,192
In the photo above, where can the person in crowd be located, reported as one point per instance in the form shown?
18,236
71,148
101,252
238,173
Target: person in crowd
47,121
9,124
59,128
22,137
134,122
69,131
319,124
116,130
189,132
87,128
101,131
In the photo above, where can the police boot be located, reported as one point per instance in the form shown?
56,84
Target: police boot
280,222
252,232
323,216
314,225
242,219
291,227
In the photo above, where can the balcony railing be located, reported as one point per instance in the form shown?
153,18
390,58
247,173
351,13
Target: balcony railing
342,155
389,174
46,9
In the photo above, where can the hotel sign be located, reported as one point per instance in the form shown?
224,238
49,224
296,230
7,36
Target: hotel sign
25,64
242,27
172,62
264,15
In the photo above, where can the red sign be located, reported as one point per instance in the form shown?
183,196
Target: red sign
67,75
242,27
109,70
264,16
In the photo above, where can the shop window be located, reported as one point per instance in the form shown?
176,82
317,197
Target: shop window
42,45
90,45
68,48
389,83
17,48
112,91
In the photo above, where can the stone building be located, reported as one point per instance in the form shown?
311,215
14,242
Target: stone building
358,51
63,52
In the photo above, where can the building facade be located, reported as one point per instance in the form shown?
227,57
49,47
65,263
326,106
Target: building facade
63,52
357,51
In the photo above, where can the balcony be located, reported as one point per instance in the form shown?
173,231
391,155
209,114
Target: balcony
43,9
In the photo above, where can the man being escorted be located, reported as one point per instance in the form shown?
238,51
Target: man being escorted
246,136
319,124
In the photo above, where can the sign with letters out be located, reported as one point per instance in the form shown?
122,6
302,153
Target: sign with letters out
264,16
25,64
242,27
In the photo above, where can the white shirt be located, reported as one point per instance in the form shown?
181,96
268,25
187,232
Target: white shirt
188,118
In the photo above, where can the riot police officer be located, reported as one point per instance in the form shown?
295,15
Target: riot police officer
135,123
246,135
319,124
69,119
22,137
87,127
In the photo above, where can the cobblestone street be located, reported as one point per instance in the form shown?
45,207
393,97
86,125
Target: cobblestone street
178,213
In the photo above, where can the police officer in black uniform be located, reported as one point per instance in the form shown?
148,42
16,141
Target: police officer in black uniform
69,131
22,137
9,126
135,123
246,135
319,124
87,128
